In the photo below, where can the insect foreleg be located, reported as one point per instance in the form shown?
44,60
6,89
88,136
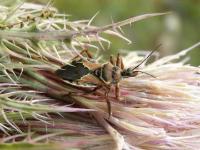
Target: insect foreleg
119,62
122,64
102,80
117,92
112,60
108,102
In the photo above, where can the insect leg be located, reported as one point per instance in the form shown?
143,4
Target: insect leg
118,61
108,102
89,55
107,90
112,60
122,64
117,92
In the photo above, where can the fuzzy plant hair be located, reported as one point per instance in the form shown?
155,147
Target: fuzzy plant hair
37,111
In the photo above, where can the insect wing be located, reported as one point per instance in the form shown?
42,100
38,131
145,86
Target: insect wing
73,71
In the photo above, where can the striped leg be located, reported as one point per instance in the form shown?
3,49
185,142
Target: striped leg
112,61
119,62
117,91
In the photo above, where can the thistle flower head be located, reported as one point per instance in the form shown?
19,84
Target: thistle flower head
38,111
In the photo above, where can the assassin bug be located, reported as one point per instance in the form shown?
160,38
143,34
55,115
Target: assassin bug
102,75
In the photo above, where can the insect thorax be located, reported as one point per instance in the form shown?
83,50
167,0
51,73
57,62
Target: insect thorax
108,73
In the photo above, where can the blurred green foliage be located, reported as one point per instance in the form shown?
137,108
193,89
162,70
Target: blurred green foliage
175,32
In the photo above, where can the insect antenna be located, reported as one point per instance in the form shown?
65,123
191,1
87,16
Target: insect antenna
145,73
147,57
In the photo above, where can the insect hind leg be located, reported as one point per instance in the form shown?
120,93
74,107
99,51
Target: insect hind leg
89,55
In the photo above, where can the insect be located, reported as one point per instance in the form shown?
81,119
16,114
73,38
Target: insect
101,75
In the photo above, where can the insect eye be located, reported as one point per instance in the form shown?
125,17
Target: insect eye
127,72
